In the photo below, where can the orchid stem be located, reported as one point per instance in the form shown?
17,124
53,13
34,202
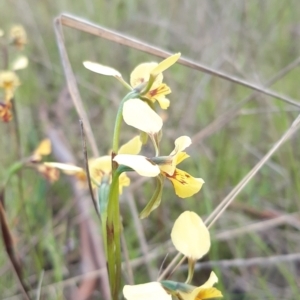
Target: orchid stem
113,229
191,264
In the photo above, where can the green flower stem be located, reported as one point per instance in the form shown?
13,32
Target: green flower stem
113,231
191,264
16,167
131,95
103,192
124,83
149,85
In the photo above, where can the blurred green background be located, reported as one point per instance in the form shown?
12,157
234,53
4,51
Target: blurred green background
252,40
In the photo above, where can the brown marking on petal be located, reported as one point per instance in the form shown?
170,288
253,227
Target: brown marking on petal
50,173
139,81
5,111
152,93
178,177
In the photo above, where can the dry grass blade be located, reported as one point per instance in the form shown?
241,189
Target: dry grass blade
257,227
249,262
39,288
231,196
87,168
9,246
71,82
102,32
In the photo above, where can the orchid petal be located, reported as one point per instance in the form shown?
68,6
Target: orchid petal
134,146
101,69
141,74
44,148
138,163
67,168
20,63
181,143
184,184
211,281
138,114
146,291
190,236
124,180
102,164
165,64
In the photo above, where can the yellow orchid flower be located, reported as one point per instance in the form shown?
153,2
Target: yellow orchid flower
205,291
100,168
44,148
184,184
100,171
9,81
18,36
190,236
140,76
146,291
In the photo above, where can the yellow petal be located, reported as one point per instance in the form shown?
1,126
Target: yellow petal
43,149
202,294
20,63
99,166
184,184
176,156
210,293
181,157
210,281
134,146
100,69
67,168
181,143
167,165
164,103
123,181
138,163
9,80
190,236
50,173
146,291
141,74
159,91
1,32
165,64
138,114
